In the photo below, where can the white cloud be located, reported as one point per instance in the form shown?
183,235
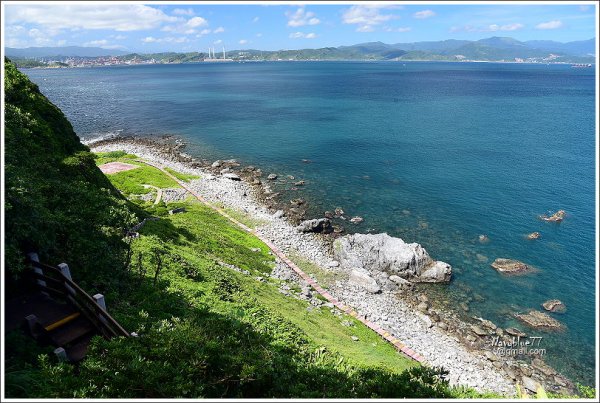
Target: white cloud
103,43
299,35
507,27
490,28
255,19
167,39
131,17
218,41
219,30
423,14
301,18
399,29
186,27
365,28
99,42
181,11
196,22
243,41
550,25
118,37
258,35
205,31
39,37
13,35
366,16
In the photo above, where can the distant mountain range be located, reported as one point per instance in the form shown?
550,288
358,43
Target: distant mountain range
489,49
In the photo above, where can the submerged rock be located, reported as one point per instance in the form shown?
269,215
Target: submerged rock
554,305
556,217
361,277
534,235
356,220
317,225
539,320
513,331
381,252
509,266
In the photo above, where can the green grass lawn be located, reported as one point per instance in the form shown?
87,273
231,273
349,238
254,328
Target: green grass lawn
181,176
204,237
130,182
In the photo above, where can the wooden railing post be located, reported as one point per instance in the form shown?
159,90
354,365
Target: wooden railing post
64,269
35,258
61,354
32,325
99,298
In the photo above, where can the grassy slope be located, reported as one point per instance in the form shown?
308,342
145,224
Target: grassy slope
202,237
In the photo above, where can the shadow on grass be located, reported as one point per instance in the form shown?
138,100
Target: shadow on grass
188,350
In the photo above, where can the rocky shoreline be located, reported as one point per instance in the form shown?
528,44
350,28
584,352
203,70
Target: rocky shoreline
471,352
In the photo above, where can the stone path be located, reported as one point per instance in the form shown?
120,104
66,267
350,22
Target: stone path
158,192
344,308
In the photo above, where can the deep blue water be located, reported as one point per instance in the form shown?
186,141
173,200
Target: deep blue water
436,153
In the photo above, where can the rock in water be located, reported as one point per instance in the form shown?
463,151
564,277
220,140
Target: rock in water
361,278
539,320
509,266
381,252
513,331
317,225
554,305
356,220
534,235
272,177
556,217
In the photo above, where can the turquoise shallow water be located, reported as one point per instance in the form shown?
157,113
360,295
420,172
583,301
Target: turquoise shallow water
436,153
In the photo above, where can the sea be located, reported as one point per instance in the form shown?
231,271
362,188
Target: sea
431,152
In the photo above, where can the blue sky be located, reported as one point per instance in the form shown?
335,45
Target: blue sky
181,26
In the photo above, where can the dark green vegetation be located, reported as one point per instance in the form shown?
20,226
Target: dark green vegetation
57,203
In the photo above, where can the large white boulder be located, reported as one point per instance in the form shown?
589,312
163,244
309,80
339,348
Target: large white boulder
381,252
